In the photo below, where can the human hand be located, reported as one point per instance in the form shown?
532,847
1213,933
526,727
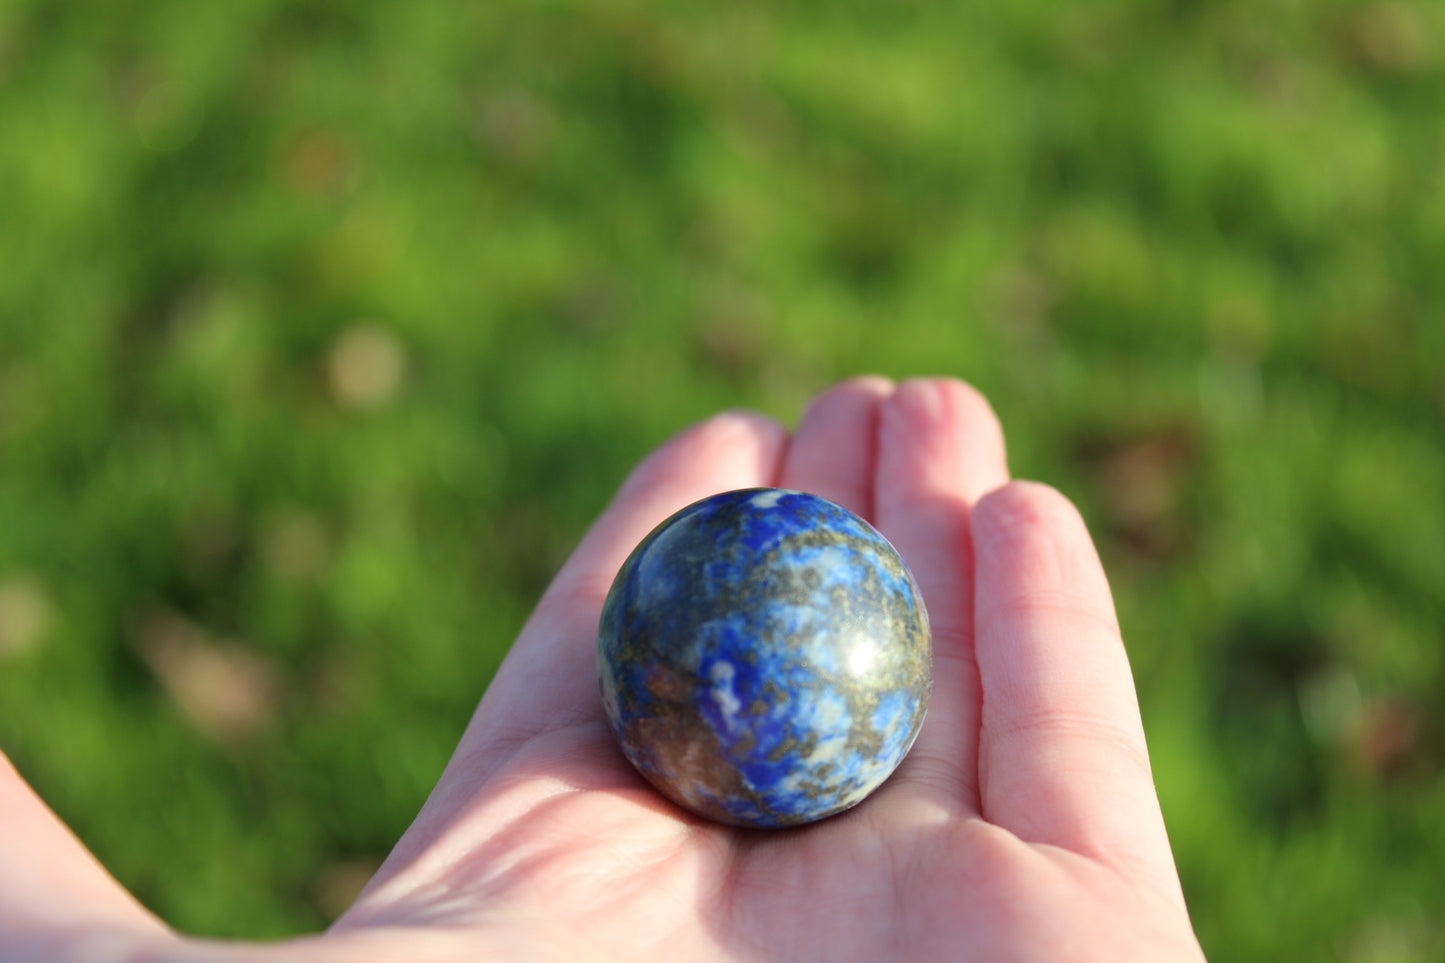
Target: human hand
1022,826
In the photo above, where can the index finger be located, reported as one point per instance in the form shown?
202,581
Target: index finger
548,680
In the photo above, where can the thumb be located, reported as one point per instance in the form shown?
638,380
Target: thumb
57,903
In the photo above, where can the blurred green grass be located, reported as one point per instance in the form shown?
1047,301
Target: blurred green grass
325,329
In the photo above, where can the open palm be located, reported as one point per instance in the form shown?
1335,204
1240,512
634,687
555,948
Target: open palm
1023,826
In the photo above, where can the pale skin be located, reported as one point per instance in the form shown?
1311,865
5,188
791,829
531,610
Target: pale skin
1023,826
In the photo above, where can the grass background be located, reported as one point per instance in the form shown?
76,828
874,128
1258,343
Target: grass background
327,326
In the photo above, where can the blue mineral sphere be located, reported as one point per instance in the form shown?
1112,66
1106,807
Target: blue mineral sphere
765,658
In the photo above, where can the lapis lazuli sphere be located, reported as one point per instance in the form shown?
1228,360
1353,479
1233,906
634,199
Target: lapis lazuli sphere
765,658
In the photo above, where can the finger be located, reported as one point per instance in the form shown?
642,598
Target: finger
835,447
549,679
56,901
1062,754
551,672
940,448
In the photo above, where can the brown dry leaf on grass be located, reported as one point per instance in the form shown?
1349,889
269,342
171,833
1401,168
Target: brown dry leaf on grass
365,367
25,614
223,688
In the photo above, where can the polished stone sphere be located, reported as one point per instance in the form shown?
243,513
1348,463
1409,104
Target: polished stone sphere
765,658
